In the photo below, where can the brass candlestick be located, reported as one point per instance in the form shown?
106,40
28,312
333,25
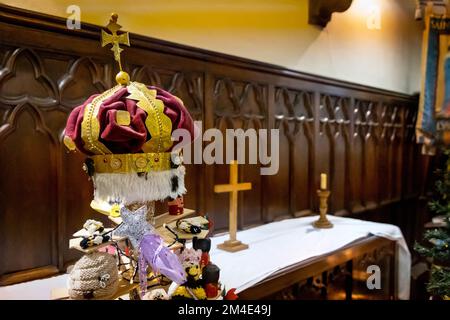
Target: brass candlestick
323,222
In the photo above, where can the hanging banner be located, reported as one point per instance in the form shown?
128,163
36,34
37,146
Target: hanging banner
433,122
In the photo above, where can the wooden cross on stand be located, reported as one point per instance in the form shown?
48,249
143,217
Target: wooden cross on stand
233,245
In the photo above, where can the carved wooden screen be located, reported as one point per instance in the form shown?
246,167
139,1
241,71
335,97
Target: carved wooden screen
362,137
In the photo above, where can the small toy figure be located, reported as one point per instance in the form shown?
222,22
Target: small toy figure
115,210
210,277
156,294
109,208
204,245
92,234
92,226
176,206
185,226
93,240
192,288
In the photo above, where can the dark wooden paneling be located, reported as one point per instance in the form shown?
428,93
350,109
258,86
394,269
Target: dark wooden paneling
294,118
362,137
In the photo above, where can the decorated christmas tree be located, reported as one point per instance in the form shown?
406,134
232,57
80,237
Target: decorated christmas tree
437,240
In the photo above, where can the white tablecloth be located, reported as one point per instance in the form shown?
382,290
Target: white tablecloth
273,247
277,245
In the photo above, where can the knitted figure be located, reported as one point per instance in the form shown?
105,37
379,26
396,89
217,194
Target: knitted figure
192,288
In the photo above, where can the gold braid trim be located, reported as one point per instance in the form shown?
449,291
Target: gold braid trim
90,126
132,162
158,124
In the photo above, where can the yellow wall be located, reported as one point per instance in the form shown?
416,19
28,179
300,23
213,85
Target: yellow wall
275,31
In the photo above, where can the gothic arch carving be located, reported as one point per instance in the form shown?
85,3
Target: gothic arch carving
69,80
26,95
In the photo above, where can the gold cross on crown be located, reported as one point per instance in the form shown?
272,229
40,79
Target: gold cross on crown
114,38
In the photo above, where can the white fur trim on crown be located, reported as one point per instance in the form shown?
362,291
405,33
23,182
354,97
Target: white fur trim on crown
129,187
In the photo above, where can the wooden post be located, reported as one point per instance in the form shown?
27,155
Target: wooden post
233,245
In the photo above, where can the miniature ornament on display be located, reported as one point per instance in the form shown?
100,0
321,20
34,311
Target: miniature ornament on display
176,206
194,226
210,277
156,294
115,210
92,234
94,240
111,208
192,288
186,226
92,226
205,246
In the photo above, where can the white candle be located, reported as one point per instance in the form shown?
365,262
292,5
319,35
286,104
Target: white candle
323,181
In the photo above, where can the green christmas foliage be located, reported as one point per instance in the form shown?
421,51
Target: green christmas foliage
439,284
437,241
440,205
439,245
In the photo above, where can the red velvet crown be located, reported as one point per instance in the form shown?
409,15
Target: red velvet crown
125,124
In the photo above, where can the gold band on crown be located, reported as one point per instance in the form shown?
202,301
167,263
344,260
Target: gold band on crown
132,162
